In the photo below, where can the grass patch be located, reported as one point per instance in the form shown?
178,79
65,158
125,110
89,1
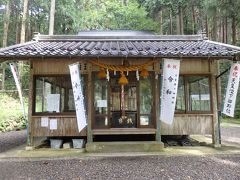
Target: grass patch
231,120
10,113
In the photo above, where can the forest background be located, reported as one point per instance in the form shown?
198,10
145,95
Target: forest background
19,19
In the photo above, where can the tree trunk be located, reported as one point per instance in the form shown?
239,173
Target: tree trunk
23,36
171,22
223,31
24,19
6,24
214,28
5,39
179,21
161,21
226,29
18,32
17,25
52,13
193,19
234,34
206,25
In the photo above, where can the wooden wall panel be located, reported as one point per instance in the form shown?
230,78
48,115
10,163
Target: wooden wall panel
188,124
66,126
57,66
194,66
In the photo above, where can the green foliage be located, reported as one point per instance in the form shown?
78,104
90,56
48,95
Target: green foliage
107,15
231,120
11,115
10,83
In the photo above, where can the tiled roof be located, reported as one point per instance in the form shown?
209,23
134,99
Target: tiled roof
119,46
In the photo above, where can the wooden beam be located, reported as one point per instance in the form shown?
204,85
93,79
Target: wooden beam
157,105
120,131
215,123
30,106
90,102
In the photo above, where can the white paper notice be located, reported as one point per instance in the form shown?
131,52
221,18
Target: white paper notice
232,89
53,124
169,89
78,96
53,102
44,121
102,103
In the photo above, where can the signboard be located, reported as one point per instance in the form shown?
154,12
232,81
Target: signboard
17,82
44,121
53,124
53,102
232,89
169,89
78,96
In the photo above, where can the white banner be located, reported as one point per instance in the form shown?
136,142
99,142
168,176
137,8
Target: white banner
169,89
17,82
232,89
78,96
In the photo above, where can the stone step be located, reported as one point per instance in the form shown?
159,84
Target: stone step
125,146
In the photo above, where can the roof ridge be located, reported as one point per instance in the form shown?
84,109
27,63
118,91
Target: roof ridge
41,37
224,44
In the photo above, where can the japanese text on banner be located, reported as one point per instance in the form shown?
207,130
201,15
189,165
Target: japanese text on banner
169,89
232,89
78,96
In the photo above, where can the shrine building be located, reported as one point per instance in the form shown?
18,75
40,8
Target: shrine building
121,78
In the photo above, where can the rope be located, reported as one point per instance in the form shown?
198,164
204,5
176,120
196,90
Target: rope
122,68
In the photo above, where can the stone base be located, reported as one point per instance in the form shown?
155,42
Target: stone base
29,148
128,146
217,145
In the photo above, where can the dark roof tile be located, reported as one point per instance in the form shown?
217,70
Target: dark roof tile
137,46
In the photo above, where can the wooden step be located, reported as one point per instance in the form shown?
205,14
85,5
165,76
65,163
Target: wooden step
125,146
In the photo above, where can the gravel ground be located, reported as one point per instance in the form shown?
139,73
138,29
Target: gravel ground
145,167
122,168
9,140
231,134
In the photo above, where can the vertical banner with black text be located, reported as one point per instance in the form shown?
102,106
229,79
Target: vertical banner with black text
78,96
232,89
169,89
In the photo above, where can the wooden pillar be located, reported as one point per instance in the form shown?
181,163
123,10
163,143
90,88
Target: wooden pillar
215,123
90,105
3,75
30,106
157,103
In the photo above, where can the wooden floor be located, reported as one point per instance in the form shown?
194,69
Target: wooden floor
113,131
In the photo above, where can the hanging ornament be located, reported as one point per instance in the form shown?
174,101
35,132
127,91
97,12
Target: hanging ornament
144,73
114,73
108,77
123,80
102,74
137,75
127,73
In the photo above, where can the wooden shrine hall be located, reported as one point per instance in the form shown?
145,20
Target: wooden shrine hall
121,82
